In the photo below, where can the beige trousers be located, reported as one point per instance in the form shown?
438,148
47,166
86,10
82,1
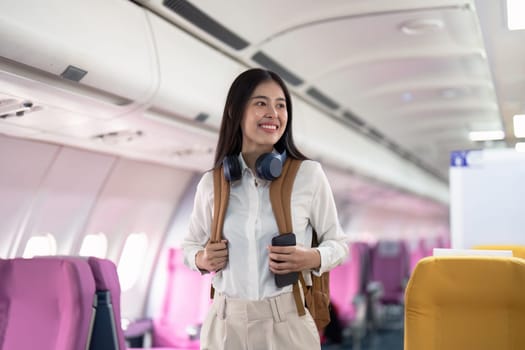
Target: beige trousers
269,324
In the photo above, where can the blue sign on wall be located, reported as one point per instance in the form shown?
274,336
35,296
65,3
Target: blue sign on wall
459,158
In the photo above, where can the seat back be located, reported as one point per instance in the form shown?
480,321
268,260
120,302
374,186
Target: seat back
390,267
186,302
364,252
107,332
45,304
345,284
458,303
417,251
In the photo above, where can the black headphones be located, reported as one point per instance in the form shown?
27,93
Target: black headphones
268,166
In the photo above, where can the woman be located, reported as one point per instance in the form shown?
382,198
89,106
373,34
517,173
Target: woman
249,310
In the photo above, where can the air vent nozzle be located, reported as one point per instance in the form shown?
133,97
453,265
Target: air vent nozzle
117,137
14,108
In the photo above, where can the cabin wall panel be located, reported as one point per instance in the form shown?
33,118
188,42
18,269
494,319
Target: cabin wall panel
66,197
138,197
23,165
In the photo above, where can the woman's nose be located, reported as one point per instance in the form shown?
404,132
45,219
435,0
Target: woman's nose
272,112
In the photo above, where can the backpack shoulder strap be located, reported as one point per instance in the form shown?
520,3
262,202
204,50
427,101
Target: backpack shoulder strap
281,194
221,195
280,197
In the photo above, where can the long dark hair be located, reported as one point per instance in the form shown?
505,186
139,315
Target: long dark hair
230,134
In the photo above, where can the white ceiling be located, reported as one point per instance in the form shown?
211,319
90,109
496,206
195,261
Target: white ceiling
413,97
419,93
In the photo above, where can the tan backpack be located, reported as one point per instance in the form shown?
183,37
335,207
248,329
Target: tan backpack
317,296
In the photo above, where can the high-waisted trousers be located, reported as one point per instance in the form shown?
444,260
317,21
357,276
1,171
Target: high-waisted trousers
268,324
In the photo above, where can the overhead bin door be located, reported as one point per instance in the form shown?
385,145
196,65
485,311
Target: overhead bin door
102,44
194,77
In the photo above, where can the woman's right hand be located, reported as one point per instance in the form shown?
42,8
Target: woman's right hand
214,256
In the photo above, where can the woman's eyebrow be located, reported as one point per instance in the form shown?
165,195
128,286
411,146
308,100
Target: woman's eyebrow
267,98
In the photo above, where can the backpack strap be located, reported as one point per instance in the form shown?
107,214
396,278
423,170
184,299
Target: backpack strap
280,197
221,195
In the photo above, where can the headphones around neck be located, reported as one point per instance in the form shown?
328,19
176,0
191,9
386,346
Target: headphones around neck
268,166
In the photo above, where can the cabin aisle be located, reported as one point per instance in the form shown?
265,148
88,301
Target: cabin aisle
383,340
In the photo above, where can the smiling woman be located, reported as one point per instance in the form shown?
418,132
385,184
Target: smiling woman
264,120
108,135
256,123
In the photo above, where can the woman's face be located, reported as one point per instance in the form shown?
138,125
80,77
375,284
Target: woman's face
264,119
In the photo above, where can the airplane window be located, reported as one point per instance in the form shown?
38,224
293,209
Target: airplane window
130,263
94,245
44,244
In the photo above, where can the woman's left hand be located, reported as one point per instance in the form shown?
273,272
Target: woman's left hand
286,259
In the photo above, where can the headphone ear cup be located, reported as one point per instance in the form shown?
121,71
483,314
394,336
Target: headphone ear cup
232,168
269,166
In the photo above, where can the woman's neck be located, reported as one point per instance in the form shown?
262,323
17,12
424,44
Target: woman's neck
250,157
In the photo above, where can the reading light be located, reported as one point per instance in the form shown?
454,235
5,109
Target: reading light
515,14
492,135
407,96
519,125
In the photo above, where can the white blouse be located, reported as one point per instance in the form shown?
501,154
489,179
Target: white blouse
249,227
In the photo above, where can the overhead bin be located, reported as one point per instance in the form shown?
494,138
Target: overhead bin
104,46
349,150
194,77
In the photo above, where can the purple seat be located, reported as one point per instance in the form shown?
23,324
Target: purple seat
186,302
106,280
45,304
364,252
345,284
390,267
418,251
107,332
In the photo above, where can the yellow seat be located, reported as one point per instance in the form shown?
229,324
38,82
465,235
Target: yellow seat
466,303
517,250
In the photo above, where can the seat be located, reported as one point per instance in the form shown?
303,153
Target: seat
186,302
517,250
464,303
45,304
417,252
347,290
107,330
390,267
344,285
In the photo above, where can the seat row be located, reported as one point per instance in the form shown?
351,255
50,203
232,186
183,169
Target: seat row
60,303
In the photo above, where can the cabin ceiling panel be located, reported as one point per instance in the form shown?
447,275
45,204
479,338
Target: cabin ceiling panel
372,79
506,54
333,45
444,95
259,21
